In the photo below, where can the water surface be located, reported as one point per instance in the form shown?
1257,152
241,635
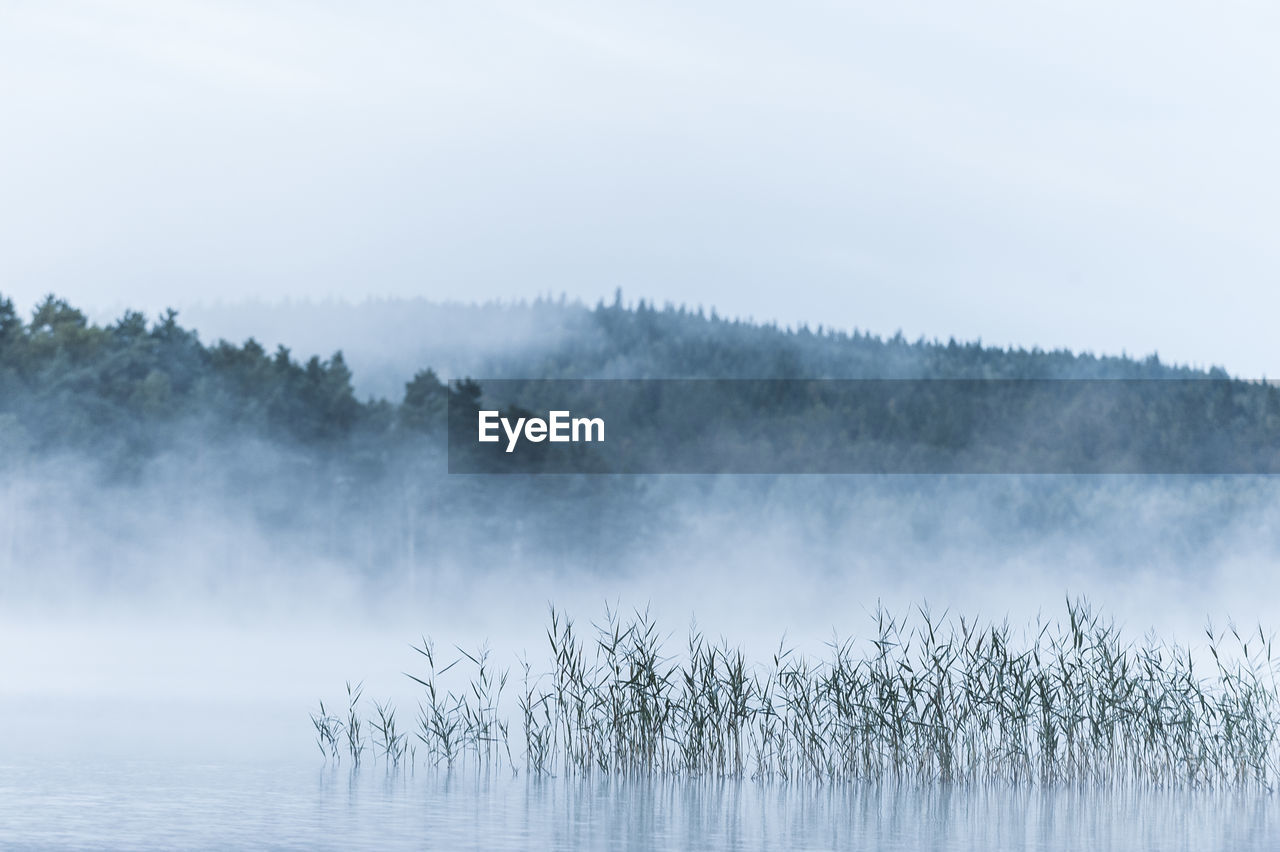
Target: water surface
158,805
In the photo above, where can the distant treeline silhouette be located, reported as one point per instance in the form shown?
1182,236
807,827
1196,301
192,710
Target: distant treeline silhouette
289,444
129,390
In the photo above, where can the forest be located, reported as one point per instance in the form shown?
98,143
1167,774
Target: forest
130,390
135,402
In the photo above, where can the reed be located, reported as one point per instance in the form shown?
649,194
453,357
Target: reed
927,698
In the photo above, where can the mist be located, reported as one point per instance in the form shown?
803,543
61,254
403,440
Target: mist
201,542
179,615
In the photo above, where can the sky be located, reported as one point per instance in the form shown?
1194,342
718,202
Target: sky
1093,175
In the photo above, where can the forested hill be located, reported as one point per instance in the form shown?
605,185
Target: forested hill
386,341
129,389
673,342
177,427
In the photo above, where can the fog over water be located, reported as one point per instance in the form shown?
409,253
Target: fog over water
159,620
191,614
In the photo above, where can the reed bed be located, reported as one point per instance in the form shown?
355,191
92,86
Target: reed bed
926,698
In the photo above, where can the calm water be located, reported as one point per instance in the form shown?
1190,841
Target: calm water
158,806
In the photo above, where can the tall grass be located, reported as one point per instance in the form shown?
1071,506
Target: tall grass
925,698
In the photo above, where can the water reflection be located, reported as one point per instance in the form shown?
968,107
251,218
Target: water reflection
147,805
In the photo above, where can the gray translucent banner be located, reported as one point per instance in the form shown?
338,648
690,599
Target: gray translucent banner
873,426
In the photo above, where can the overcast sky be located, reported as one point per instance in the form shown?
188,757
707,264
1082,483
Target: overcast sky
1097,175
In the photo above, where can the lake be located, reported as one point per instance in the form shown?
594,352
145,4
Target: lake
306,805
